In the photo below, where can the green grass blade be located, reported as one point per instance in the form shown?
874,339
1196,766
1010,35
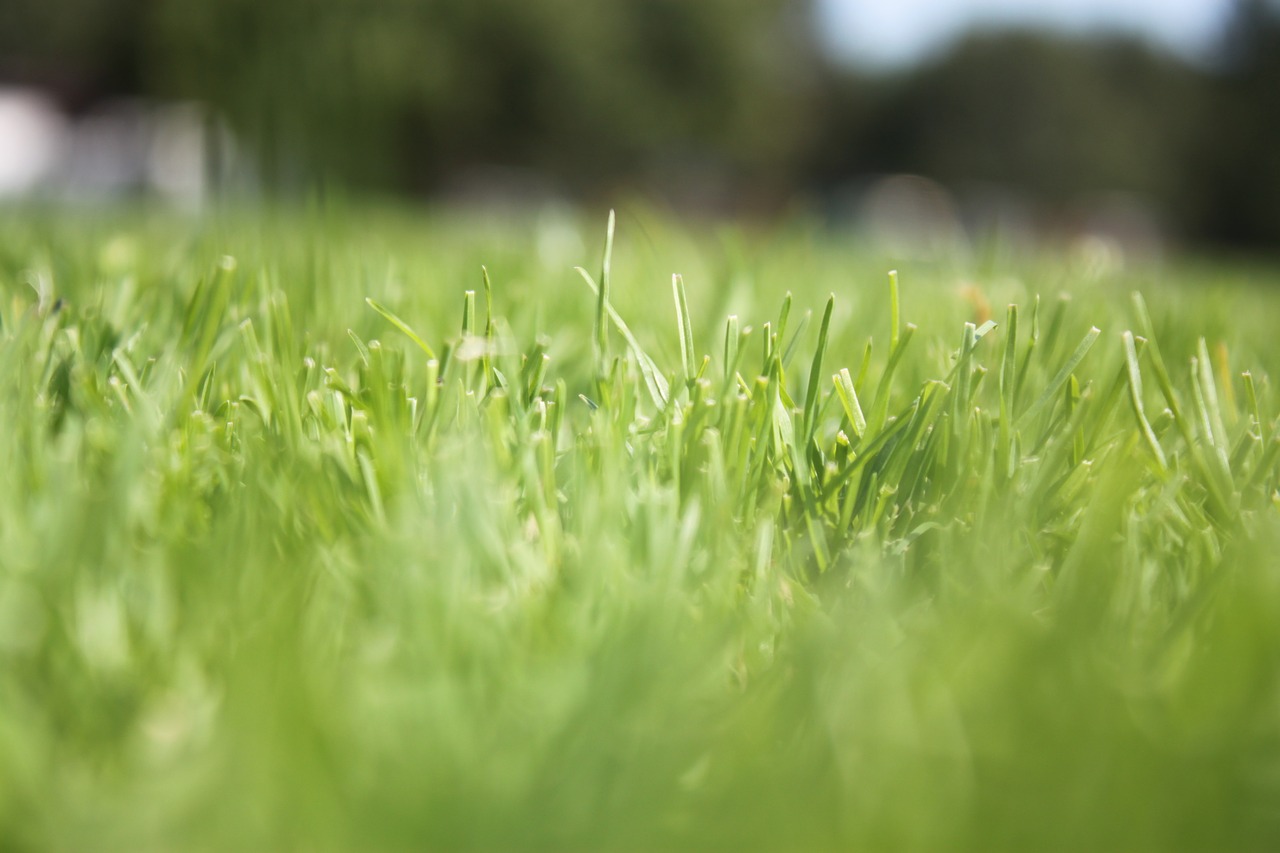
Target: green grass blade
401,325
849,400
895,312
815,372
1135,397
1060,378
655,382
685,328
880,405
1008,383
602,297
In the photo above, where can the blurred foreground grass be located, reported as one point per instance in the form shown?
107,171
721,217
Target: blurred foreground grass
275,574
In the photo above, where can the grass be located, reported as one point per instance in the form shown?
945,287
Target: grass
315,535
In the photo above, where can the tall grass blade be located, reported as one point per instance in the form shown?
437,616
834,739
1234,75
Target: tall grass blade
1060,378
402,326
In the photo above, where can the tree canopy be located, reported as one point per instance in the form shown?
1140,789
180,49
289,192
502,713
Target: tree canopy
401,95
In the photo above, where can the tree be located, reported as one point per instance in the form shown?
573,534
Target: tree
384,92
1050,116
1239,178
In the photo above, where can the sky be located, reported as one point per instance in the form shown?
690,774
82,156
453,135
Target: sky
887,33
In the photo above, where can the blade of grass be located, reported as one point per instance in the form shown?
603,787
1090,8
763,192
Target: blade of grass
685,328
1135,397
394,320
815,373
1060,378
602,298
655,382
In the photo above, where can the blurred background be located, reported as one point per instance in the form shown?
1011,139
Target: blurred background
1142,122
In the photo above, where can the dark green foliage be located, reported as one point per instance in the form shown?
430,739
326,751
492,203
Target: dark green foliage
715,102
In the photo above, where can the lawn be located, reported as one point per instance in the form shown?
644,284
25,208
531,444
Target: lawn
355,528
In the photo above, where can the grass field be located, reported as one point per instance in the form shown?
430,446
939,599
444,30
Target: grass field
312,536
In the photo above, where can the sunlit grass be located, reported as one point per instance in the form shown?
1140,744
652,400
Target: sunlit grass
315,534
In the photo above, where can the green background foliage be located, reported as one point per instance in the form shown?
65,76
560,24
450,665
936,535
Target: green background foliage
729,102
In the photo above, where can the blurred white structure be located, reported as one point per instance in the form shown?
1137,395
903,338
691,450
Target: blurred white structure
32,135
175,151
914,217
